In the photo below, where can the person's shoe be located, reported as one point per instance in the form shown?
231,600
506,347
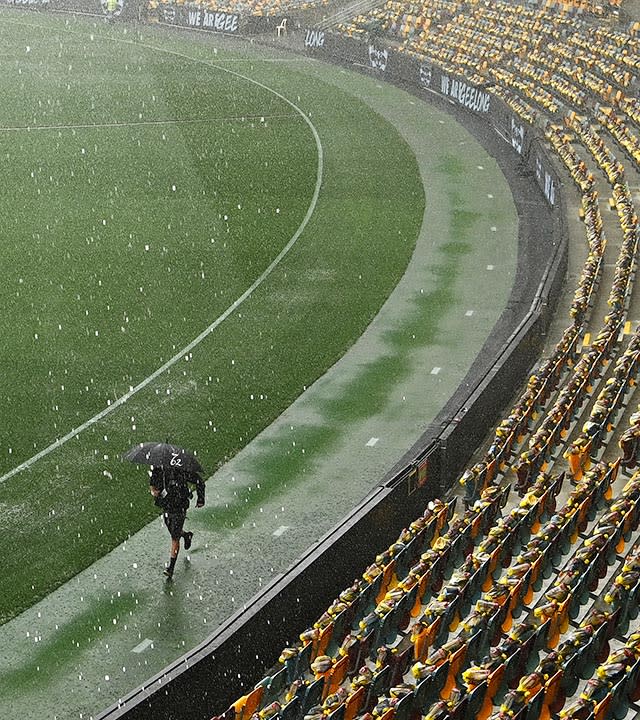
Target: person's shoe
188,536
168,573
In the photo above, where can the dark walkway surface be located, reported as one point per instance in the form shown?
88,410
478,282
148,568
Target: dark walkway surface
117,623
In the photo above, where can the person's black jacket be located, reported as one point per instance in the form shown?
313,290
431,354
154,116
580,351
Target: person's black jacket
175,493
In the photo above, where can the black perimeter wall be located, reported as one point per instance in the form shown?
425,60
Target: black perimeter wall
205,681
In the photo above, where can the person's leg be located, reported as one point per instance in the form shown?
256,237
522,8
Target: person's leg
174,523
187,536
175,549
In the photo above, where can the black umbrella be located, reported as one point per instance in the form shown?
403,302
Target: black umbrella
163,454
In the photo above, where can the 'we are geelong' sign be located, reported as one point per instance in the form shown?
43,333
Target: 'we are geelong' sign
212,20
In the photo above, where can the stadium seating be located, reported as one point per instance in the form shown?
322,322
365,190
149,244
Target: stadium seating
508,608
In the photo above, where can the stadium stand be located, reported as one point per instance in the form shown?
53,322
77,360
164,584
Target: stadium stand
520,604
264,8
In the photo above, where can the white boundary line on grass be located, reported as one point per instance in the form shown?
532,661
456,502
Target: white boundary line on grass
236,303
135,123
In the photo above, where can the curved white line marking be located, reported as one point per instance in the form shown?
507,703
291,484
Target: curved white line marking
246,294
136,123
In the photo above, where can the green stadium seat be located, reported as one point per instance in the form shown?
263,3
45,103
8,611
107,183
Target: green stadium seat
338,713
404,710
341,625
421,695
476,699
474,586
407,607
633,682
379,685
439,681
359,653
529,655
366,601
291,711
516,610
571,668
389,627
534,706
445,621
440,569
298,665
459,712
461,546
275,686
620,701
312,695
399,664
495,622
429,532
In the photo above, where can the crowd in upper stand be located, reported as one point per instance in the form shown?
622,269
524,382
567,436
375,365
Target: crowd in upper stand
257,8
551,58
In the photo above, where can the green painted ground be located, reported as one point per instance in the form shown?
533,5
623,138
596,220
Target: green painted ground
122,244
113,625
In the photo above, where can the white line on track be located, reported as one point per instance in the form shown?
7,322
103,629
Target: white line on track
236,303
141,647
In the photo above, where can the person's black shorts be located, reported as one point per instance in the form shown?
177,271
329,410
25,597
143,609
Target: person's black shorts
175,522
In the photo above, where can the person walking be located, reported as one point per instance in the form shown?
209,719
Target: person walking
169,487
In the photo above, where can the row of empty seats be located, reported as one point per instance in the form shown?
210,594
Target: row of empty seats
513,607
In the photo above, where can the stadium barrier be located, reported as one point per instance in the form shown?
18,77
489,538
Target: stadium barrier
217,21
235,657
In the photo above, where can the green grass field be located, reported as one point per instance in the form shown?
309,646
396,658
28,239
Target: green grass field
146,188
